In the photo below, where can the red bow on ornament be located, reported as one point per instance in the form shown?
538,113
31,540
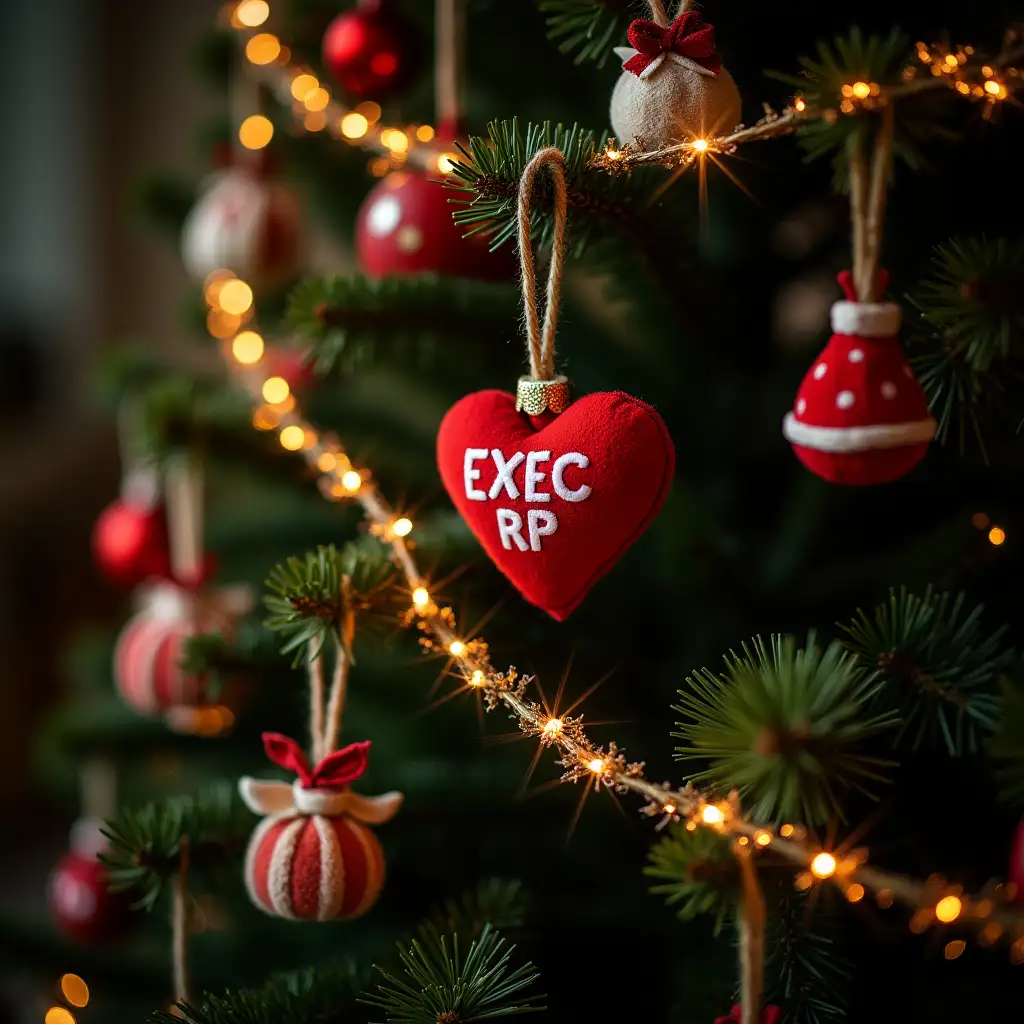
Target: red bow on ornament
688,36
336,769
769,1015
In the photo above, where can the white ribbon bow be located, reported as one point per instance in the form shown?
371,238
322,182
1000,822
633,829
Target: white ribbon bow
262,797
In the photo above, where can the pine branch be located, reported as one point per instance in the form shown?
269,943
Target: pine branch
1007,745
605,211
699,873
306,603
969,350
145,843
937,668
220,659
321,996
498,902
877,61
804,972
438,986
355,320
784,726
588,27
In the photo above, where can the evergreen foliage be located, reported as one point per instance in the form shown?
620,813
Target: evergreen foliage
589,27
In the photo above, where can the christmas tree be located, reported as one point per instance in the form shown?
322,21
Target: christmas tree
542,502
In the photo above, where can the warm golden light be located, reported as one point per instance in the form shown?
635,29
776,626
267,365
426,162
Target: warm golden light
861,90
424,133
711,815
221,324
477,678
613,154
351,481
354,126
800,104
948,909
995,89
316,99
763,838
950,60
786,831
255,131
855,893
823,865
75,990
275,390
309,437
456,648
402,527
326,462
596,766
552,727
303,85
247,348
395,140
803,881
669,809
235,297
265,418
699,145
421,597
446,161
252,13
315,121
955,948
293,438
996,535
264,48
58,1015
213,284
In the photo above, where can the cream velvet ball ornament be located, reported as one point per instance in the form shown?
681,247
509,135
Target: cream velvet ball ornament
673,86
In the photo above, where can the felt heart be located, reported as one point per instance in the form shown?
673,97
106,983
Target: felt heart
555,500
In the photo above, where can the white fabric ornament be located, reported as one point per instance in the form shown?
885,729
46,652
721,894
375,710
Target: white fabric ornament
673,86
245,225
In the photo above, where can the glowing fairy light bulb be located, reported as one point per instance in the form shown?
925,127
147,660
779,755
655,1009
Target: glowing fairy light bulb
354,125
699,145
351,481
293,438
247,348
252,13
420,598
401,527
823,865
996,536
862,90
552,727
596,765
948,909
477,678
763,838
669,809
255,131
456,648
234,297
712,815
275,390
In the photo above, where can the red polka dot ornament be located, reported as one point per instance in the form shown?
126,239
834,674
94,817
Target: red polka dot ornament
860,416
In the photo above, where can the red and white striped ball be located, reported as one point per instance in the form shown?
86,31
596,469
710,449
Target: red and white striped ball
151,645
313,868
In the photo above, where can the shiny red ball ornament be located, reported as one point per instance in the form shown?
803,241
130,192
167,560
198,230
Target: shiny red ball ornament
371,51
405,226
1016,872
860,416
129,542
82,906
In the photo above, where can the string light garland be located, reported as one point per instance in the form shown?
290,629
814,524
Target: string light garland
961,71
314,106
934,902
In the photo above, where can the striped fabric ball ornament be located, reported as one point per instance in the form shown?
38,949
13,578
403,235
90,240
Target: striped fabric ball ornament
313,858
147,672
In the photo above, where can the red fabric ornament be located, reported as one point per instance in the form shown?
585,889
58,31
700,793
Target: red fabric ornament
81,905
151,645
769,1015
405,226
313,858
555,500
689,36
371,51
246,225
860,416
129,542
1016,873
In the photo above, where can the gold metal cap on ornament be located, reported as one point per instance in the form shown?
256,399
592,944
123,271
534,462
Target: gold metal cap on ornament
537,396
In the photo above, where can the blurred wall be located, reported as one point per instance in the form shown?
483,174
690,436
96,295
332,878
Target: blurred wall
93,93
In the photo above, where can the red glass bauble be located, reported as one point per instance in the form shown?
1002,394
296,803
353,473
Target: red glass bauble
129,543
82,906
371,51
405,226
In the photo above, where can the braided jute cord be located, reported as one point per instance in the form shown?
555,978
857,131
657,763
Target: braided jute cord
542,343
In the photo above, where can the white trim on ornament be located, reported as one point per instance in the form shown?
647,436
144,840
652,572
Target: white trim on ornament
857,439
866,319
626,53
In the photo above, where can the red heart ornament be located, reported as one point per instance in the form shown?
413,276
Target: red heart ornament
555,500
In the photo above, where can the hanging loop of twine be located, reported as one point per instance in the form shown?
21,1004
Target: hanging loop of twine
542,341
